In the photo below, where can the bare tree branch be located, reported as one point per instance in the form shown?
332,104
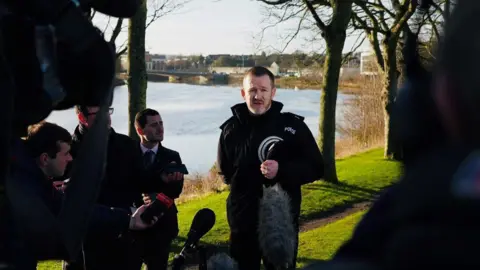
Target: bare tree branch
285,16
122,51
162,9
295,34
157,9
318,21
116,31
355,47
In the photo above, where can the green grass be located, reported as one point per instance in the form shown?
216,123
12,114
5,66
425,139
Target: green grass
361,176
320,244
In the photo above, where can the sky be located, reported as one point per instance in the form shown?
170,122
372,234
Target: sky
221,27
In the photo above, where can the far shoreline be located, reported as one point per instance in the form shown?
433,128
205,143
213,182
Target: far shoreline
289,83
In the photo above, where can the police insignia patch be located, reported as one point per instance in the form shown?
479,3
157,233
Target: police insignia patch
466,181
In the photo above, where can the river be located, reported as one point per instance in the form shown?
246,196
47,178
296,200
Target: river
192,115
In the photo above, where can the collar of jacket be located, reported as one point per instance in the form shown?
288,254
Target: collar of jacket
81,130
241,112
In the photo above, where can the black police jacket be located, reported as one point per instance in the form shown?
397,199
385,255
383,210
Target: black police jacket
245,142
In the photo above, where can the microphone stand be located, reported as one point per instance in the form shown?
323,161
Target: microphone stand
202,251
179,260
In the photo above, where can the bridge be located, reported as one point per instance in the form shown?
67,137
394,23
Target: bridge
179,73
174,76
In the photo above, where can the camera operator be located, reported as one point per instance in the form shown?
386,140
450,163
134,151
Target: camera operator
46,156
123,184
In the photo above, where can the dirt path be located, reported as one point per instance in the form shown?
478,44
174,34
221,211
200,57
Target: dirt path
313,224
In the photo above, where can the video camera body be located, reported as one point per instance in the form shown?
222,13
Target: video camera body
52,58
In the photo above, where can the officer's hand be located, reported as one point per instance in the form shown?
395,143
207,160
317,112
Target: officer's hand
269,168
136,223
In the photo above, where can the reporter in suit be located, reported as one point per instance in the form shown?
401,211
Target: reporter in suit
154,244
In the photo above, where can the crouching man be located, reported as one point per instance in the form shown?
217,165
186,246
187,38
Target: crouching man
46,155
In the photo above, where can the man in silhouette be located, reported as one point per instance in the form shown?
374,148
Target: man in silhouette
123,182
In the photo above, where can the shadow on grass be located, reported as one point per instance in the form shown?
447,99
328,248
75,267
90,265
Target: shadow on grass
354,193
211,249
310,263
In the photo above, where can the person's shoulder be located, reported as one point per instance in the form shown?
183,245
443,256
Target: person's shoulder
169,151
229,124
125,142
292,117
122,138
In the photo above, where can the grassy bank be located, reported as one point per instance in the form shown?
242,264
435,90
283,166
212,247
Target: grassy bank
362,176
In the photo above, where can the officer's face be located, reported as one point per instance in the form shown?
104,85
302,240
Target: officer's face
55,167
153,130
258,93
89,118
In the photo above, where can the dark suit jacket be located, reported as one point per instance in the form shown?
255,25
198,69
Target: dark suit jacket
168,224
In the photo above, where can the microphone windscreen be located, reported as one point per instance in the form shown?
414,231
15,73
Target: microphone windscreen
221,261
202,223
276,232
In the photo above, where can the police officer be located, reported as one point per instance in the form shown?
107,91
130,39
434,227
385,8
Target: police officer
247,164
430,219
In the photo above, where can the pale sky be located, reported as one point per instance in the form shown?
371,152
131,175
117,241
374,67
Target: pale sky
221,27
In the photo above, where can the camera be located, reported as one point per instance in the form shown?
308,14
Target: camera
51,58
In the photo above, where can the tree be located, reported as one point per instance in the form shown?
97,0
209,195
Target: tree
114,31
383,24
137,72
333,29
376,19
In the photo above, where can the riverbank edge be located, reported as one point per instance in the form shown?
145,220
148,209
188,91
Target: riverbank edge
348,87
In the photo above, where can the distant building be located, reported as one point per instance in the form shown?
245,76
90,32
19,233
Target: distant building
158,62
213,57
274,68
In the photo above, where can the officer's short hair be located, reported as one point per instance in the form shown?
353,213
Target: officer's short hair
141,117
259,71
45,137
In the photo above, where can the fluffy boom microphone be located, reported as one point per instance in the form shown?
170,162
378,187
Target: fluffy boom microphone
275,229
221,261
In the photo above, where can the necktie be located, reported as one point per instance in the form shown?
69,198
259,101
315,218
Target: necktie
148,158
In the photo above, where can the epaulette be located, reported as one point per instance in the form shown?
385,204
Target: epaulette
294,116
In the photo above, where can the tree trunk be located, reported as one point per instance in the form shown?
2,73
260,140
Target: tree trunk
137,70
333,63
390,92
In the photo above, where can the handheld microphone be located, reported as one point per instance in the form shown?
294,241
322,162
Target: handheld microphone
202,223
160,204
275,228
221,261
